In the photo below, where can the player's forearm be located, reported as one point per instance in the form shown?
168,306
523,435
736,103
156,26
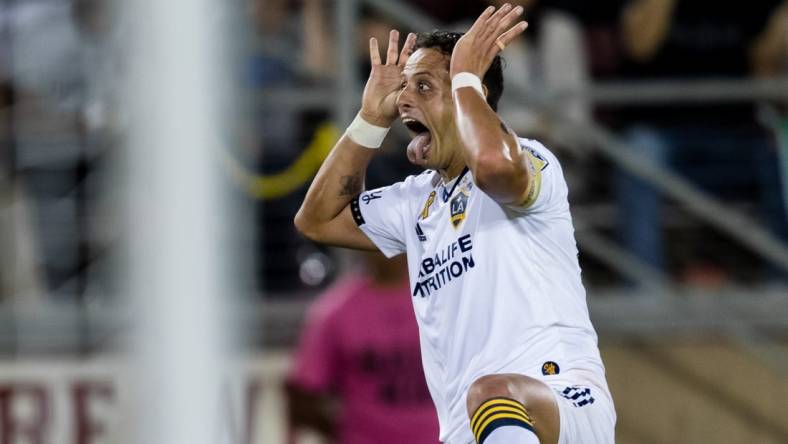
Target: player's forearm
340,178
491,150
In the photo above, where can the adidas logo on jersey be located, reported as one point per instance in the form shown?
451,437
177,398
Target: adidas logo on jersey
420,233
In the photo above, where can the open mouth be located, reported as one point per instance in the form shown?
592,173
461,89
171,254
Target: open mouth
415,126
419,147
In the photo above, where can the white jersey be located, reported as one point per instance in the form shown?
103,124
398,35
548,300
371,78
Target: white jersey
495,288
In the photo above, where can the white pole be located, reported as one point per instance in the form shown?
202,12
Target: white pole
174,219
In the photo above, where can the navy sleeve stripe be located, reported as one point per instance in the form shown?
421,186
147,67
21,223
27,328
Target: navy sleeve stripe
355,209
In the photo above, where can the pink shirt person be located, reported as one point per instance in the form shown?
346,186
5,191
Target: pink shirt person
361,344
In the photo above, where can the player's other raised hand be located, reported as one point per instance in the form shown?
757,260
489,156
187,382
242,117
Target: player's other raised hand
492,31
378,104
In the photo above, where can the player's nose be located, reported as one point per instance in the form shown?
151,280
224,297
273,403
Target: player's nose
404,100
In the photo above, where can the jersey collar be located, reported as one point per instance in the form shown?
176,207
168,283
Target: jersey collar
447,189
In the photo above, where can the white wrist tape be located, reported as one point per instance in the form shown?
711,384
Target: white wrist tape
365,133
464,79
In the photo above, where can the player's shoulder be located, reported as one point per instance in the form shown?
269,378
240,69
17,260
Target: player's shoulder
417,184
551,186
538,150
425,179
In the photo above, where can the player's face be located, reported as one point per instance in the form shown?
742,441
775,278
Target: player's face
426,108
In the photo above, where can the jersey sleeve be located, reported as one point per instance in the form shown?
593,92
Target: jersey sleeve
381,214
548,190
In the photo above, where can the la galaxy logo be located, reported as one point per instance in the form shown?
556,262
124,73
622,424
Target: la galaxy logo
458,206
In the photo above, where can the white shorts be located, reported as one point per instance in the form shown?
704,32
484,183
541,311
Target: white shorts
585,409
586,413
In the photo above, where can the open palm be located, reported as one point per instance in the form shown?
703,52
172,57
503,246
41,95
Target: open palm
378,104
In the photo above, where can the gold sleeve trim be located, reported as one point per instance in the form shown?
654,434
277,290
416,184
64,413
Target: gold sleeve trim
534,179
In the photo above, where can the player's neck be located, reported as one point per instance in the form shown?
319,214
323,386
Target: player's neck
453,170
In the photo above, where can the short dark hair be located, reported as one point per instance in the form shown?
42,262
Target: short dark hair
444,42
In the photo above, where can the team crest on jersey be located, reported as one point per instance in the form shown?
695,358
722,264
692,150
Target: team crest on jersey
458,206
426,211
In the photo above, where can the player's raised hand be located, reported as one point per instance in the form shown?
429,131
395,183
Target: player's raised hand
492,31
378,104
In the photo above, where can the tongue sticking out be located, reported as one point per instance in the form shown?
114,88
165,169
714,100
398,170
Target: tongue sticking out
419,147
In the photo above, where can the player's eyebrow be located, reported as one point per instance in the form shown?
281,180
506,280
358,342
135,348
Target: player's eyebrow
424,72
420,73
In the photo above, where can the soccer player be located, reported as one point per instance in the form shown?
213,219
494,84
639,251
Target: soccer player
509,353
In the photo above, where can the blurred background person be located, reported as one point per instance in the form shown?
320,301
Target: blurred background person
721,147
550,56
357,376
20,279
45,83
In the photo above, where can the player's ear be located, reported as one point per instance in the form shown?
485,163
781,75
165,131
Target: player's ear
484,88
